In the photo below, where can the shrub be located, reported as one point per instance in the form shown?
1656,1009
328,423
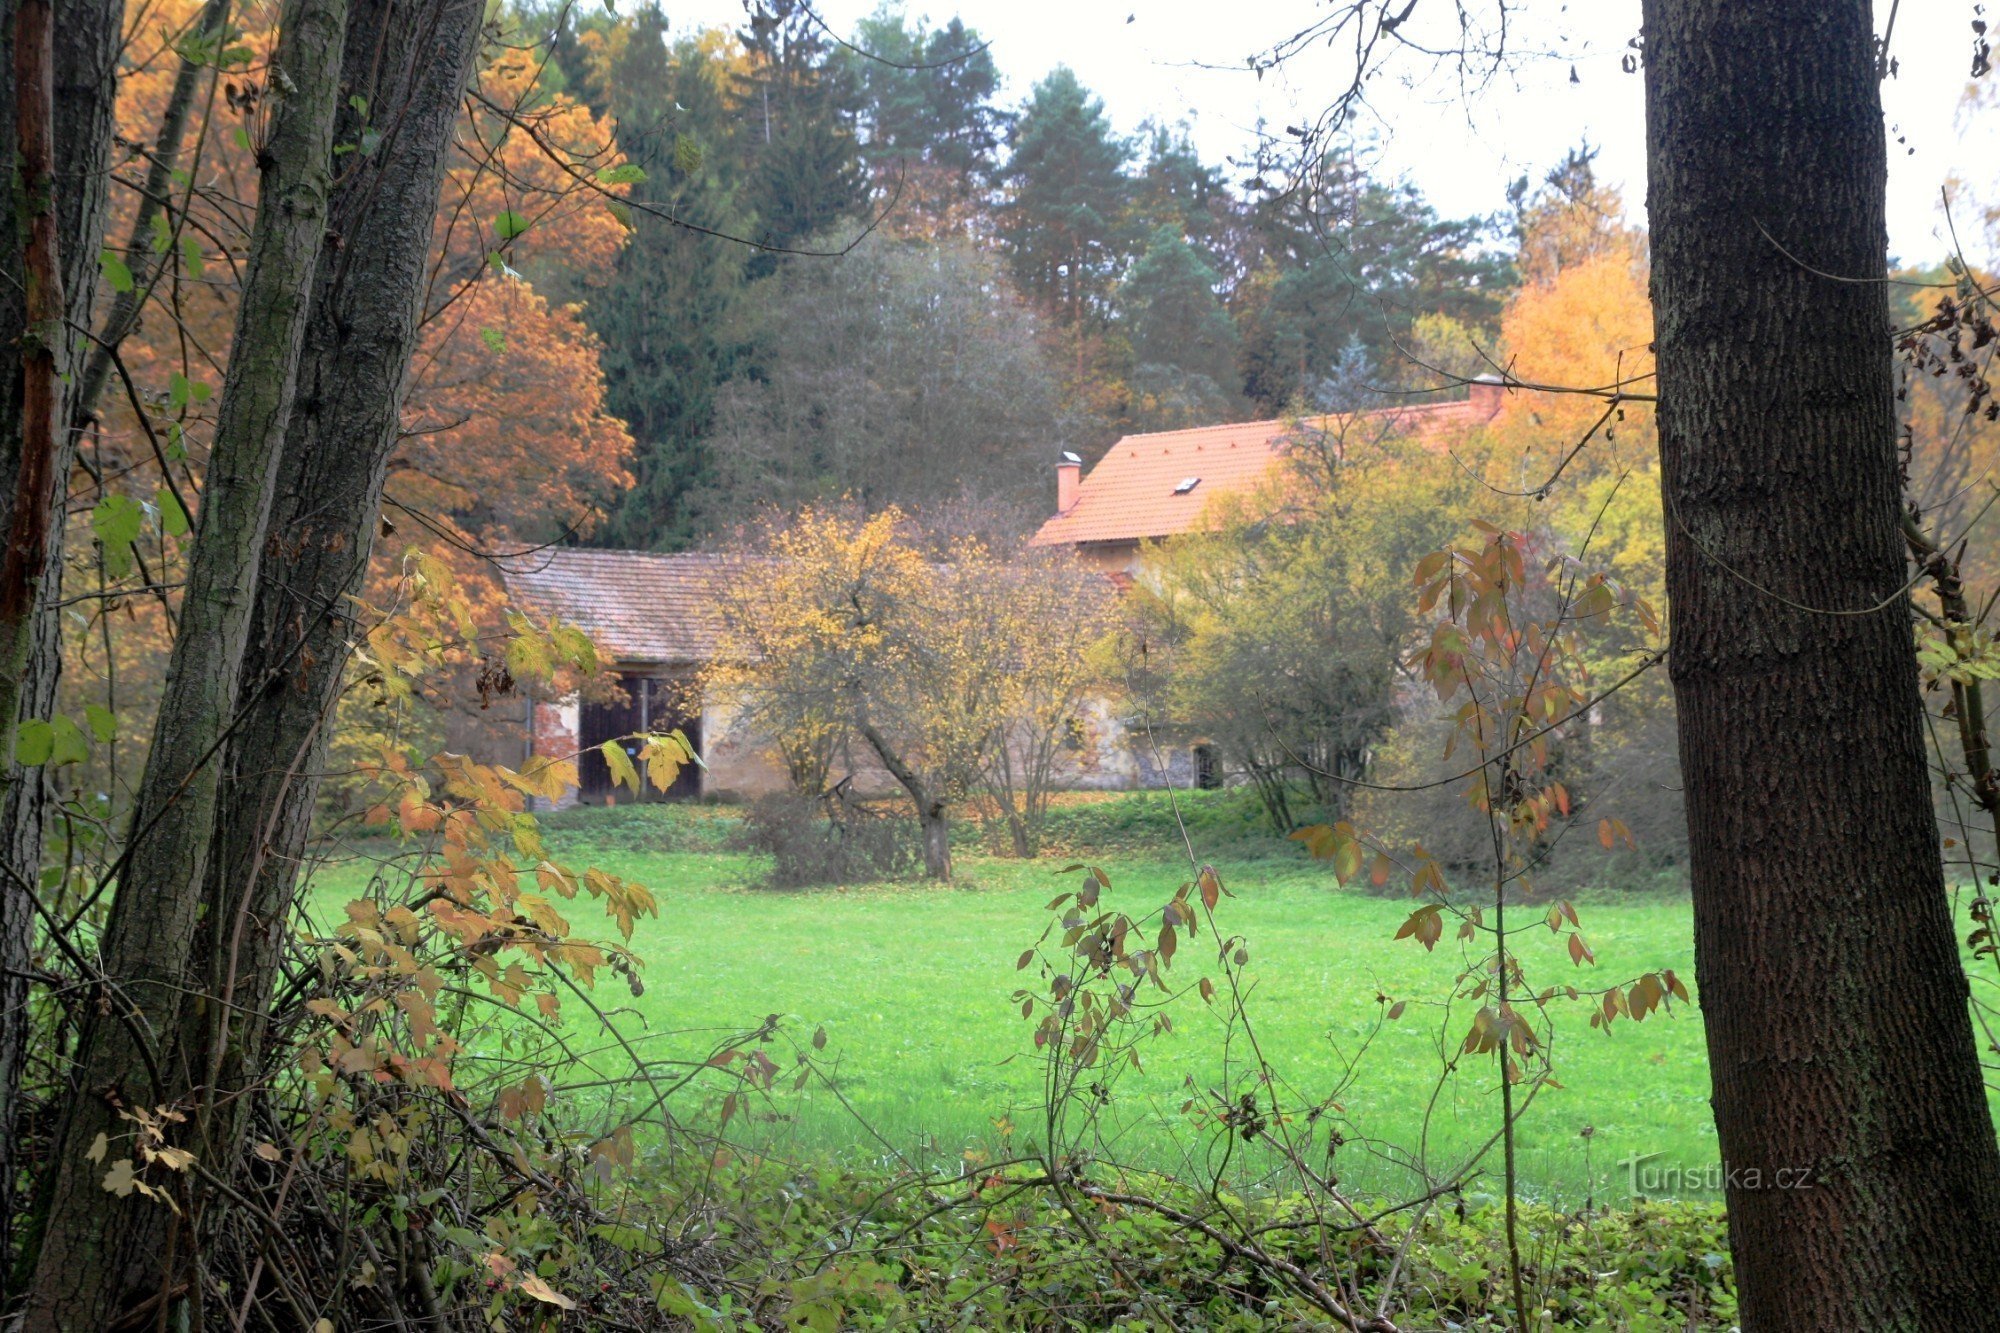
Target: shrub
827,839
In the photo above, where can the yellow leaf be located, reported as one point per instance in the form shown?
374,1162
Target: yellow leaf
620,764
174,1159
543,1292
119,1179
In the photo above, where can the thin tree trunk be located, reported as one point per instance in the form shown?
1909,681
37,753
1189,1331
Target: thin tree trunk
1839,1041
82,53
415,62
933,820
100,1254
140,258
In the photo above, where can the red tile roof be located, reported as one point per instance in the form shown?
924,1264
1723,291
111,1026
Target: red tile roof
640,606
1131,494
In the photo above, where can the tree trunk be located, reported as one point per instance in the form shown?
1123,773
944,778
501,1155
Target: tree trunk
145,265
933,816
936,830
1839,1041
366,307
102,1255
82,53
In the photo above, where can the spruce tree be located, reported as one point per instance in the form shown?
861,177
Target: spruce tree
795,107
665,320
1184,345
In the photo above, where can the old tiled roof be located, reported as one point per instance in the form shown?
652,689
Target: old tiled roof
1133,493
640,606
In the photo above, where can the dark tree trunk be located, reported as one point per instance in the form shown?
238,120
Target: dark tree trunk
933,816
414,61
101,1256
83,48
936,830
1835,1004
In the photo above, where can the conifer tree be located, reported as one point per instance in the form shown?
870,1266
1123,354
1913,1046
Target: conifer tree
1065,222
665,319
1184,344
1350,257
796,109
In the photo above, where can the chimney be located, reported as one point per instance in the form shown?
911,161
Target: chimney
1484,394
1069,477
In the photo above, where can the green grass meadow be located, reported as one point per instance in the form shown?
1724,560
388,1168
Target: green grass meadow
913,985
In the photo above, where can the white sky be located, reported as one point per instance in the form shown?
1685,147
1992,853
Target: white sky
1143,58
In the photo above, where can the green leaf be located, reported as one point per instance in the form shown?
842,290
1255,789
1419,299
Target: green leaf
117,521
103,722
687,155
163,233
495,340
509,225
115,271
178,391
242,137
625,173
173,518
67,745
191,254
623,212
34,742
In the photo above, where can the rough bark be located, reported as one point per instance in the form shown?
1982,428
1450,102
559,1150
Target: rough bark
84,52
102,1256
27,538
413,62
1839,1040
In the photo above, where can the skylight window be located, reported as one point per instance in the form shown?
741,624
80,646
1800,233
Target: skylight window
1187,484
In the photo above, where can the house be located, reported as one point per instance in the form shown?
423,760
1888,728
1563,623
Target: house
1149,488
658,617
1154,487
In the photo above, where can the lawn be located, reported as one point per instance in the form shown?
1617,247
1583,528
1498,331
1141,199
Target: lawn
913,985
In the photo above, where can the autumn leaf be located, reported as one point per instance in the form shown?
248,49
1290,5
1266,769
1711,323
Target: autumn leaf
120,1179
534,1286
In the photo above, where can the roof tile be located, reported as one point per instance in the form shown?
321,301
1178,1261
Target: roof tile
1133,494
640,606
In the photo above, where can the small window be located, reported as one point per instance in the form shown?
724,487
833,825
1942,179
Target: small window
1187,484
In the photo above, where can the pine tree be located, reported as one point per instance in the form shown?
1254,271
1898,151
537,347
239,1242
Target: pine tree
1355,258
1176,188
1065,224
931,129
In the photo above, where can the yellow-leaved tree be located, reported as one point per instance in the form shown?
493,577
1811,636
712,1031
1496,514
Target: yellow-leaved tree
867,650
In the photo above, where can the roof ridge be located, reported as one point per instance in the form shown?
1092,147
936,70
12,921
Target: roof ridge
618,550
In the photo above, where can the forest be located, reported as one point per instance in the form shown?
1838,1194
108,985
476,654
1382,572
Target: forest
1518,857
